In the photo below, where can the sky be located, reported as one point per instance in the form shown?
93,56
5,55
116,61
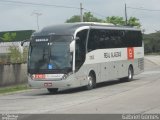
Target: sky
15,16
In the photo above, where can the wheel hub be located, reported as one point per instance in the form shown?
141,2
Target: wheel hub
90,82
130,74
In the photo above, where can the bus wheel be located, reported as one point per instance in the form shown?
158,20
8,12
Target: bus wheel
91,81
52,90
130,75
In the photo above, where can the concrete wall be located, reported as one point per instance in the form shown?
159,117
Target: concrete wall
13,74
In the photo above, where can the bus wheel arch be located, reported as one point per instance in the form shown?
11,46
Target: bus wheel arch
91,78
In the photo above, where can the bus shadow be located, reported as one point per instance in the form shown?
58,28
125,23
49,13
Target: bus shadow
109,83
98,86
82,89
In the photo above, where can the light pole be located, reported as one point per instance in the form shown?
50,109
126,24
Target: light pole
126,14
37,14
81,12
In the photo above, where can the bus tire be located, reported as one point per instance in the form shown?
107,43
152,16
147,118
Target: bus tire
130,75
52,90
91,81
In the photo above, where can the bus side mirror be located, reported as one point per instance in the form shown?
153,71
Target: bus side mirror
72,46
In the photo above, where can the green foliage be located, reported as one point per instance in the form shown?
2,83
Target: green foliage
15,55
15,35
75,18
14,88
152,43
133,21
25,54
87,17
8,36
116,20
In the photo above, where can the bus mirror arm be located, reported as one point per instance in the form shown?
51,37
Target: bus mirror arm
22,43
72,46
77,38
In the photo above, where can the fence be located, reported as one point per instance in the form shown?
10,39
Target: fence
13,74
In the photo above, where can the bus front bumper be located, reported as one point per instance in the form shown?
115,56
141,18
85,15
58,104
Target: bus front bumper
62,84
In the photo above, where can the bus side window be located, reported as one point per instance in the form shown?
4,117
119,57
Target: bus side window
91,41
96,40
102,39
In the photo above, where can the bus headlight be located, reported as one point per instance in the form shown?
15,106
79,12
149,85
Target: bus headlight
64,76
32,76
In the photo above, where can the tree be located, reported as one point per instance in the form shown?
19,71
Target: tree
133,21
15,55
116,20
75,18
88,17
152,43
8,36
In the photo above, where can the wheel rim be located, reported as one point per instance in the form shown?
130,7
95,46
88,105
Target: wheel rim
90,81
130,73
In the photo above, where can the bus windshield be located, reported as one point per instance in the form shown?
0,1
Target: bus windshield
48,55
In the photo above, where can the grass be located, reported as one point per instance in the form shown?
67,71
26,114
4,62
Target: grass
14,88
158,53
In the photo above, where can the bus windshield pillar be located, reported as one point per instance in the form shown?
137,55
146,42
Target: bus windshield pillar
72,50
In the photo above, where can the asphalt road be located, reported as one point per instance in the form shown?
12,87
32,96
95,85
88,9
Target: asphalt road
142,95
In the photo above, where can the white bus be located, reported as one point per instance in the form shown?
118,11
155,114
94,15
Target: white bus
82,54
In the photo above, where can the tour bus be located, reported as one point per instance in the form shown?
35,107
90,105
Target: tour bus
73,55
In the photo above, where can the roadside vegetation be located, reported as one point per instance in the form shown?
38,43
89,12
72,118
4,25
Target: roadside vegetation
152,43
14,88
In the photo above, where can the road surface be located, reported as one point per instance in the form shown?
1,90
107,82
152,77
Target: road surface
142,95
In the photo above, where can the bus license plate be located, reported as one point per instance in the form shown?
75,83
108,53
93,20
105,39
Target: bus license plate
47,84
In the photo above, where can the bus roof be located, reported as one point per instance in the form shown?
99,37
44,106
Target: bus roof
70,28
